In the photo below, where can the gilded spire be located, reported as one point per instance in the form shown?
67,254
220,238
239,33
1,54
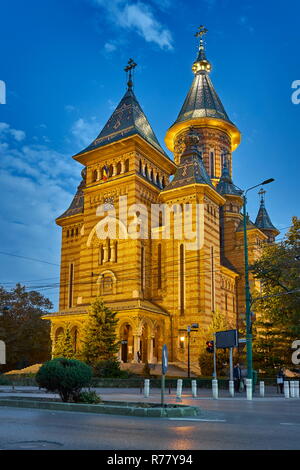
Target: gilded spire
201,63
129,71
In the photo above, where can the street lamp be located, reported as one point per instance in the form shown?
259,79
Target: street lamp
247,287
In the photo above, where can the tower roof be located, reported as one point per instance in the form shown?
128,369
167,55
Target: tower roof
191,169
225,186
263,220
202,99
77,204
127,119
202,105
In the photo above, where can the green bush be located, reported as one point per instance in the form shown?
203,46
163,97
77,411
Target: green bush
89,397
4,380
64,376
109,369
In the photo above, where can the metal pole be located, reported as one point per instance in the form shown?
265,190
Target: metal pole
215,358
231,363
189,355
247,294
163,390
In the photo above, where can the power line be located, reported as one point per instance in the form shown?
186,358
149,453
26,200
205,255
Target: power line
27,258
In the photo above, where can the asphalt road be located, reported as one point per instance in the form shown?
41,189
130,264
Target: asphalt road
224,424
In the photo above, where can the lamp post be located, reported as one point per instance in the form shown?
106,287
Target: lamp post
247,287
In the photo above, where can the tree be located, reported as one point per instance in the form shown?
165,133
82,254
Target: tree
64,346
278,304
99,334
26,335
218,323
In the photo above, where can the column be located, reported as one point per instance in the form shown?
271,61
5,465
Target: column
136,347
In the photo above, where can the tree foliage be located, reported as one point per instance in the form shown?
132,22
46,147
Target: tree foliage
64,346
99,334
26,335
218,323
278,304
64,376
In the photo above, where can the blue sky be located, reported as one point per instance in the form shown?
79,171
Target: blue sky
62,62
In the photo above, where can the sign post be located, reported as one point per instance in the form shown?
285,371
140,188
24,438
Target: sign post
2,353
164,368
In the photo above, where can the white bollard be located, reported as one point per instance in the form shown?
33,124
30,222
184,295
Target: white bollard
249,389
262,388
147,388
179,390
231,388
292,389
194,388
286,389
296,388
215,389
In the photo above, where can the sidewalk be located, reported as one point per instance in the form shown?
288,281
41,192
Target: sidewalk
134,394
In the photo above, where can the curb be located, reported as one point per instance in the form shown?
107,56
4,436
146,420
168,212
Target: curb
114,408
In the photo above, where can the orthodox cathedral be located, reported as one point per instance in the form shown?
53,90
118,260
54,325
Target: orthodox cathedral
158,284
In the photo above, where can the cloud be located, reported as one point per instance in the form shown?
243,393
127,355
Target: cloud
6,131
109,47
37,185
85,131
137,17
70,108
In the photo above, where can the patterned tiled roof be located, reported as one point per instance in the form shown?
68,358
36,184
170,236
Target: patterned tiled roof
225,186
77,204
202,100
263,220
127,119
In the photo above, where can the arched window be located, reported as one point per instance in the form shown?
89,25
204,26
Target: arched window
101,254
72,232
157,179
77,232
111,170
140,166
146,172
68,233
126,166
152,176
163,182
119,168
95,175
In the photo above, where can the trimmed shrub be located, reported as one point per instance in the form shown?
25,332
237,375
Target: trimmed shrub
64,376
91,398
110,369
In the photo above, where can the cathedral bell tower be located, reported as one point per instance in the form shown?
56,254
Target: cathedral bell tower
203,110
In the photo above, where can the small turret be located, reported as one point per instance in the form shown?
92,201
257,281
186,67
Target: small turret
263,221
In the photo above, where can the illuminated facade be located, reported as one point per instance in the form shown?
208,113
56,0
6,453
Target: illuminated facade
158,284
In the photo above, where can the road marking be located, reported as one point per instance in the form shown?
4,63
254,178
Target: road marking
290,424
199,419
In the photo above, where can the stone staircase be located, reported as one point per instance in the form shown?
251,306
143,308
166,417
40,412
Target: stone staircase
175,369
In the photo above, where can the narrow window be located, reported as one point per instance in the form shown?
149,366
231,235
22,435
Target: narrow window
119,168
181,279
71,284
143,268
212,164
116,252
159,267
126,166
212,279
140,166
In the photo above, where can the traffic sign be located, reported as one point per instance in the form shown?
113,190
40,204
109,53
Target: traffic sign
164,362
